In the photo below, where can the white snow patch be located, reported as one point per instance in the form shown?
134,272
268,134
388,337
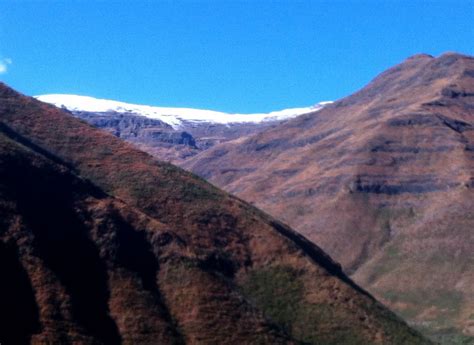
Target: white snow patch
172,116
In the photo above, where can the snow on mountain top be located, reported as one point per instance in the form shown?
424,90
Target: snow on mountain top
171,116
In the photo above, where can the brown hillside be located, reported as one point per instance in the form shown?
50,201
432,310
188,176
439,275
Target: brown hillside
383,180
104,244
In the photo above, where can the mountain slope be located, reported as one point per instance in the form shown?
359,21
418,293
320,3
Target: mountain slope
104,244
382,180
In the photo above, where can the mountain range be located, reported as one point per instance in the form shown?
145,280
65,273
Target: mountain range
100,243
382,180
172,134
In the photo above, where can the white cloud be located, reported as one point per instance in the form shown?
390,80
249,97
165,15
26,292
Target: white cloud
4,65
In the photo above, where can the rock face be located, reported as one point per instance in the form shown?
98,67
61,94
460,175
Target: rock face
382,180
151,135
101,243
209,134
165,142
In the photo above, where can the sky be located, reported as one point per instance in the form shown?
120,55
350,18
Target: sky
233,56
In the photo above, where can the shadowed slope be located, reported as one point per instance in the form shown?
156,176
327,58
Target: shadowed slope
47,214
156,254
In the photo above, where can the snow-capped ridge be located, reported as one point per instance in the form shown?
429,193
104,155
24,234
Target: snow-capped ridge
172,116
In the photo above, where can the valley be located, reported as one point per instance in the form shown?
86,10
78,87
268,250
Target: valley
382,180
104,244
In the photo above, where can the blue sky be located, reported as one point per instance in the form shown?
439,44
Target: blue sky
244,56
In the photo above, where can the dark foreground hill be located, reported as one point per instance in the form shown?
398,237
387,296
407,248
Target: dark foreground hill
383,180
100,243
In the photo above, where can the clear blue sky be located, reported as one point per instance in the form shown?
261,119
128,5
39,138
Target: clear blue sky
244,56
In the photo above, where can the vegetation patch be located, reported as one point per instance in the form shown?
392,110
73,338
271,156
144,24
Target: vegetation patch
443,299
279,292
446,336
447,303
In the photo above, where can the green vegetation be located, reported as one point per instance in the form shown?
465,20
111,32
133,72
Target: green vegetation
446,302
387,213
387,263
279,292
191,192
446,336
445,305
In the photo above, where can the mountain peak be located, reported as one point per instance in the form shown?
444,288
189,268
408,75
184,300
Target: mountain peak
420,56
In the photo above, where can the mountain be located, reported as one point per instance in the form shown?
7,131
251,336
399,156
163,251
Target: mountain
383,181
102,243
171,134
176,117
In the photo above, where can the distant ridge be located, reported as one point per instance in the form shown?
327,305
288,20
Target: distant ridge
171,134
172,116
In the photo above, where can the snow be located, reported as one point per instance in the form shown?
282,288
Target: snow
172,116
